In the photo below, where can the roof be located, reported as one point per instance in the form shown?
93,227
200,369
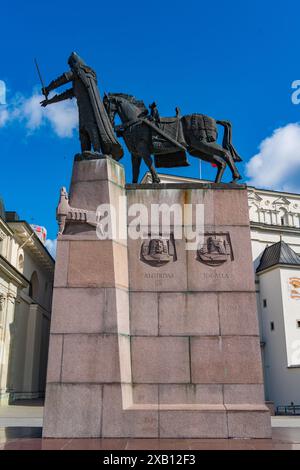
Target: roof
278,253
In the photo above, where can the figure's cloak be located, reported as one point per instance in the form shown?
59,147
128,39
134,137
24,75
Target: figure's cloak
109,143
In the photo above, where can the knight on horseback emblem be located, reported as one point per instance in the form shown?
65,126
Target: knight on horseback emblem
145,133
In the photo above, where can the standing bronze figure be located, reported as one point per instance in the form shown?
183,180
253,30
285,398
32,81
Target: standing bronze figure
95,129
168,139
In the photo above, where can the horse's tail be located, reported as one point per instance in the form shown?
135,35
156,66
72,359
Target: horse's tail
227,144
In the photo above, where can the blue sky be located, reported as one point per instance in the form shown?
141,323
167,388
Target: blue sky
228,59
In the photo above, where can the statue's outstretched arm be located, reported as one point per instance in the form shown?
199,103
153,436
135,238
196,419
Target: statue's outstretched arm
62,80
68,94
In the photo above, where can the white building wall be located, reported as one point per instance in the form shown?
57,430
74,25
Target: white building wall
268,211
281,383
24,321
290,280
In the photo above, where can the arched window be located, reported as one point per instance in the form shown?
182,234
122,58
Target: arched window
34,287
283,216
253,213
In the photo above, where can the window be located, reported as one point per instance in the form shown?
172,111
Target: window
34,287
283,216
298,323
264,303
21,263
272,326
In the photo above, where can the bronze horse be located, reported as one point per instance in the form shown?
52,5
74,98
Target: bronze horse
169,138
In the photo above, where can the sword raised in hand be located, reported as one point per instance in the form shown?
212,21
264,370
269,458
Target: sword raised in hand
41,80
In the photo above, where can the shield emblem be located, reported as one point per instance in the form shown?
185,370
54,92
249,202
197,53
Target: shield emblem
158,251
216,249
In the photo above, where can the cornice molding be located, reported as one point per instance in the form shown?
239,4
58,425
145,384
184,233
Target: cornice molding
12,273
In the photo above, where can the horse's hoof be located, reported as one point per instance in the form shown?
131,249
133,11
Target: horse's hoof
236,178
156,180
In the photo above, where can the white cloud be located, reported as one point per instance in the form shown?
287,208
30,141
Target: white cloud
4,116
62,116
277,165
51,246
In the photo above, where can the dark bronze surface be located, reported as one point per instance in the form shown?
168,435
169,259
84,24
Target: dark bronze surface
95,129
168,139
145,133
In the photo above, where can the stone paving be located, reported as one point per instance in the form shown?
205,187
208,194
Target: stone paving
23,438
21,428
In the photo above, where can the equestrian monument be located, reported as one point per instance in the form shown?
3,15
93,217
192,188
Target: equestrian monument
154,329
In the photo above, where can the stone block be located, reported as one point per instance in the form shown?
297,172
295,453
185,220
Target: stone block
97,264
238,313
145,394
190,394
116,315
54,358
205,198
230,359
73,410
120,265
249,424
91,264
147,197
89,195
61,263
188,314
232,275
241,393
90,358
125,359
78,310
160,359
144,313
171,276
193,424
120,422
105,169
231,207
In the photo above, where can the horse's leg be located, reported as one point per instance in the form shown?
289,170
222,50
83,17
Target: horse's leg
234,171
221,167
136,163
148,160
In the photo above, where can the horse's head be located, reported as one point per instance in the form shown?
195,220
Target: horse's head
126,106
110,104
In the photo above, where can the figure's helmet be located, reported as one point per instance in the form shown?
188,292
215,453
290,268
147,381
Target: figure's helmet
75,61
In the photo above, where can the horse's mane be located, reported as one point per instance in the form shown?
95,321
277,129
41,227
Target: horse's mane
139,103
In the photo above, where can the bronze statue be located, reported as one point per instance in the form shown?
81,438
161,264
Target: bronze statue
95,129
154,114
168,139
144,133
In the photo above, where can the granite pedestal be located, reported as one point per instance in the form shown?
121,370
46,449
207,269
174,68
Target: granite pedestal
149,346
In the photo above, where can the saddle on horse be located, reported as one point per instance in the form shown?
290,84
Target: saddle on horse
166,153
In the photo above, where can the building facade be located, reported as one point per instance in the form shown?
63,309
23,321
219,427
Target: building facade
275,226
26,280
